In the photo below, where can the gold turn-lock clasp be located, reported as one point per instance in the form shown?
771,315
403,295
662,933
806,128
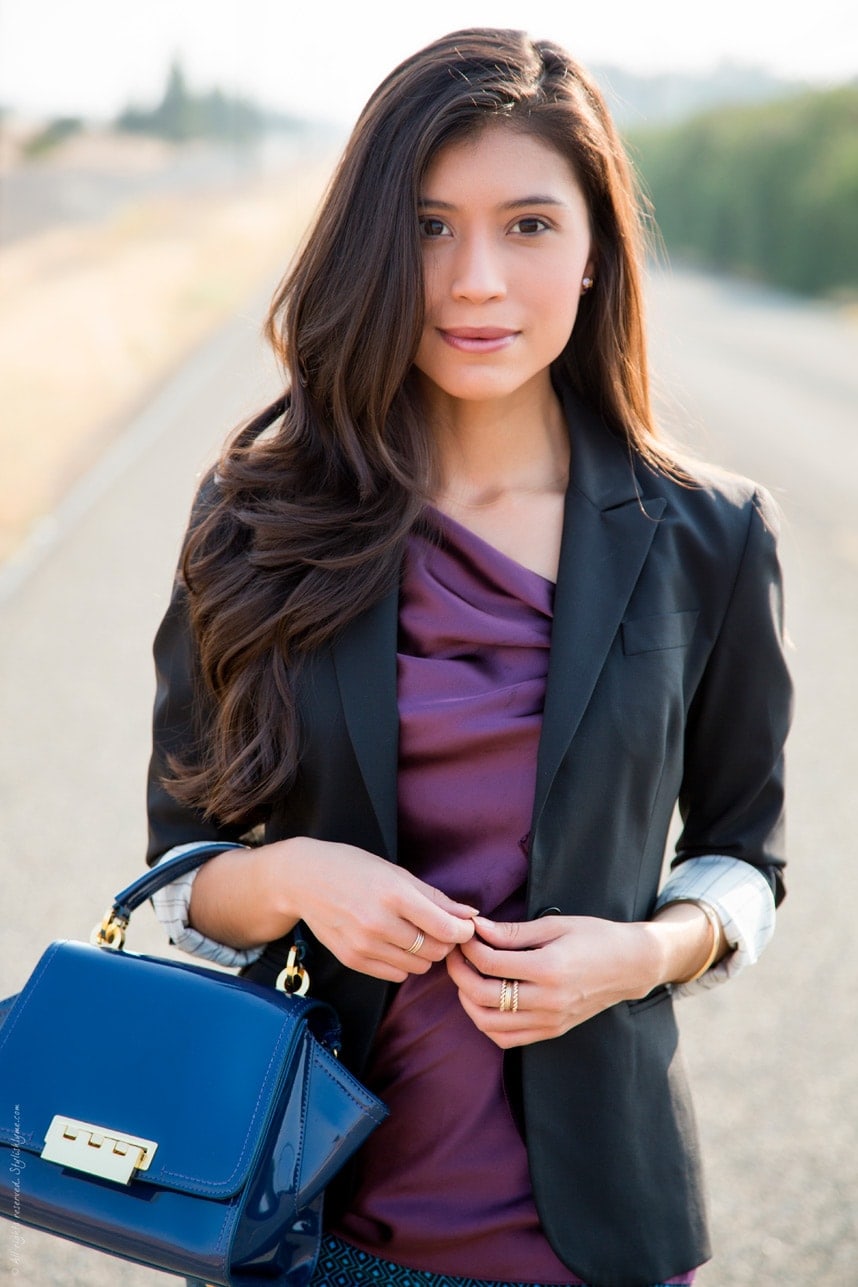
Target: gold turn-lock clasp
98,1150
110,932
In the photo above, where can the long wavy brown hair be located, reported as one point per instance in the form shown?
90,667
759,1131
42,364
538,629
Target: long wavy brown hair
303,525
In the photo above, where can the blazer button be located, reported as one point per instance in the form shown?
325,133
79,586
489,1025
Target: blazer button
549,911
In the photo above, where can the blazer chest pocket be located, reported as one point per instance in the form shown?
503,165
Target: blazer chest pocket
646,686
653,634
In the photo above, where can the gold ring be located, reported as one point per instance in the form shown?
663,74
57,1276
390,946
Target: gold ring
505,1003
417,944
514,1005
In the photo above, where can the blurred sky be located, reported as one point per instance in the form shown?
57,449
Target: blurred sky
323,57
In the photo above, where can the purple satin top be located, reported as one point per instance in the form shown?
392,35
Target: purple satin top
443,1183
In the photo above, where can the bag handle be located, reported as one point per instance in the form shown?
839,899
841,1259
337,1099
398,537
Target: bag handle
141,889
110,932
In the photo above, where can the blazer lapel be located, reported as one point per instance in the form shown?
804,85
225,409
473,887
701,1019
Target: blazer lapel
365,663
608,528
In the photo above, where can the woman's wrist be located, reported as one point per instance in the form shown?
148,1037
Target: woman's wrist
687,940
284,864
239,898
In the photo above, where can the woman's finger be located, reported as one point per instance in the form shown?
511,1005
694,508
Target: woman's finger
509,1040
379,969
513,1028
421,908
501,964
486,991
421,946
517,935
492,1020
452,905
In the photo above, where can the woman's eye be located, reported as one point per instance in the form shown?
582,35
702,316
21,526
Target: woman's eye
530,225
432,228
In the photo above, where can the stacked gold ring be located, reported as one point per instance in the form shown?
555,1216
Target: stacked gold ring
508,1003
417,944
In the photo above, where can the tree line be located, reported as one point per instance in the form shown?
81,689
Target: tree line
768,192
180,116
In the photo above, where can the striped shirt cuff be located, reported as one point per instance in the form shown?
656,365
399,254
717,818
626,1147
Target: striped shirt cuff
172,905
742,898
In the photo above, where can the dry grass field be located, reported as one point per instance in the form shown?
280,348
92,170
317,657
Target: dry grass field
93,315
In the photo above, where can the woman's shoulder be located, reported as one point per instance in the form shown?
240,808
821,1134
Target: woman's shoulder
708,494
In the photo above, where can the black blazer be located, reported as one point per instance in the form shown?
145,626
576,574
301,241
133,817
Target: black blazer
666,682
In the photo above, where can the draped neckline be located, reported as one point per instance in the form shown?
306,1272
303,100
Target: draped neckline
466,539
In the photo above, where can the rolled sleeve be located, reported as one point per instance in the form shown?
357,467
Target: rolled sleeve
172,904
742,898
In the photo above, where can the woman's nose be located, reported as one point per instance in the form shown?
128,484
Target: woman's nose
478,272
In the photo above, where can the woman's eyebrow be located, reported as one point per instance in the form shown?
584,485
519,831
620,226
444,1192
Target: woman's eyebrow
538,199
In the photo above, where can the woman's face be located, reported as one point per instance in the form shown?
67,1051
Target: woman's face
506,244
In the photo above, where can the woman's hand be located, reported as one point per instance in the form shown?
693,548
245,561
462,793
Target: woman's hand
568,968
375,917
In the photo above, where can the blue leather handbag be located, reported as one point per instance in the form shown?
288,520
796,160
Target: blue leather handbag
174,1115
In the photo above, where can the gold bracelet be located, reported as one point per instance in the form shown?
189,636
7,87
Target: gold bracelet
717,929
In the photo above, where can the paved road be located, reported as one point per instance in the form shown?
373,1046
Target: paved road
774,1057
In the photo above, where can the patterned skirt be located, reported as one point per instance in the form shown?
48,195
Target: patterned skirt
341,1265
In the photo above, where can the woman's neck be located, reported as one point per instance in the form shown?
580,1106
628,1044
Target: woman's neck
491,450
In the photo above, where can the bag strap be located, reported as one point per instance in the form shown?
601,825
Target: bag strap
141,889
110,932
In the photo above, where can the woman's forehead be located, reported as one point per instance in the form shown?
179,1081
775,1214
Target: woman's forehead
498,159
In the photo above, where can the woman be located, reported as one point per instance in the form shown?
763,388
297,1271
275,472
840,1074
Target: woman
456,631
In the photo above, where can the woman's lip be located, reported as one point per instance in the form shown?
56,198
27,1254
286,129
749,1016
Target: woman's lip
477,339
477,332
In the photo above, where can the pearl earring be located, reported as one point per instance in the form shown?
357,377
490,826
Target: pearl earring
586,283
